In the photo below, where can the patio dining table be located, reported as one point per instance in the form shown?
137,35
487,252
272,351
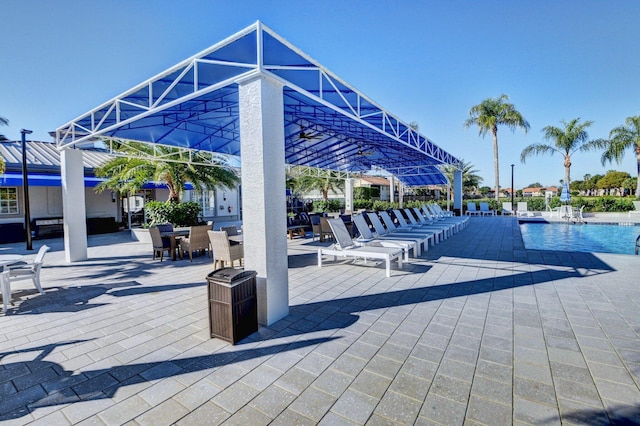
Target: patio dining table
173,237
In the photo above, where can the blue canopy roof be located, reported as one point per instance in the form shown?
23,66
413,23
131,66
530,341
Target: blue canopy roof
328,123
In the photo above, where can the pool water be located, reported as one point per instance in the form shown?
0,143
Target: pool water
596,238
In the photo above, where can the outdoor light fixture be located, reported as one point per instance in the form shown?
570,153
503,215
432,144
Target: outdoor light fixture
512,188
25,187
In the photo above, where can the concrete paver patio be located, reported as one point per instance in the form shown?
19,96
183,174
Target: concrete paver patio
479,330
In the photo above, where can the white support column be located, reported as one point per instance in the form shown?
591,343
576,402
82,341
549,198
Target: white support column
392,188
264,206
73,205
400,195
348,195
457,190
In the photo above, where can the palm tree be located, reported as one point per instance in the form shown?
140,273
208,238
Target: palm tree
3,122
490,114
573,137
324,184
128,174
620,139
470,177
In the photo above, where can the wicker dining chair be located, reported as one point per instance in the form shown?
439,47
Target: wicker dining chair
196,241
223,251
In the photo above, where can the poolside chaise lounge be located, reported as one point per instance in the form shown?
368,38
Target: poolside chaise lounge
636,205
345,247
444,230
438,234
507,208
485,210
523,209
471,209
382,232
367,238
423,223
432,212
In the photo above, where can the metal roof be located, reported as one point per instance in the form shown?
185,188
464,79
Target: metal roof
327,122
45,157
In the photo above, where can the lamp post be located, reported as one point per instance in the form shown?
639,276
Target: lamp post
25,187
512,188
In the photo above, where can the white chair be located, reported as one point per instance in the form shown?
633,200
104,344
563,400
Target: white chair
381,232
436,235
507,208
345,247
367,238
523,209
636,205
23,271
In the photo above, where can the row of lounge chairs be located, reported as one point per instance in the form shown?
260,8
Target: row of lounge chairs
383,239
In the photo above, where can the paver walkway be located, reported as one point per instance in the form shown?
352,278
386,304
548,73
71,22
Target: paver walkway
477,331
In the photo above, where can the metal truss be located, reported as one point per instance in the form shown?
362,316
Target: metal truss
167,153
193,106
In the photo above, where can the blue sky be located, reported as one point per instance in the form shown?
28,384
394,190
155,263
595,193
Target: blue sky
425,61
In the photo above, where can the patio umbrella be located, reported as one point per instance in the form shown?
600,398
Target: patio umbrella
565,197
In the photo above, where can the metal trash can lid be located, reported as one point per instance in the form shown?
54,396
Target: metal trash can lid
230,275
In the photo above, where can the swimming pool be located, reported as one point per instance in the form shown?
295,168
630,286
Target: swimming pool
597,238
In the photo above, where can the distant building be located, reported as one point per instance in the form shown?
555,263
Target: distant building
538,192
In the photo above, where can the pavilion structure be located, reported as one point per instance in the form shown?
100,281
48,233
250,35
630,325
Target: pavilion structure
257,97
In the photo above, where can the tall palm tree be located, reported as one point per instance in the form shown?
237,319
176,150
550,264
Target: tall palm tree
566,141
488,115
3,122
128,174
620,139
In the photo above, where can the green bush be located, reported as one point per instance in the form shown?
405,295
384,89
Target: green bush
362,204
178,214
330,205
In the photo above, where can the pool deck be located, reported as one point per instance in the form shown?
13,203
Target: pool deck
477,331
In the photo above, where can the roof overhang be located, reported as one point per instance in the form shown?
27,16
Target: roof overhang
327,123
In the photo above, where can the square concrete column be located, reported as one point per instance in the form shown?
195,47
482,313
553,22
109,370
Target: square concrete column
73,205
348,194
457,190
264,206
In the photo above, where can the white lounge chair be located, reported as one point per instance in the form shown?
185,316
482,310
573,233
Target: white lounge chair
367,238
423,223
430,213
471,209
485,210
636,205
345,247
392,228
507,208
443,229
381,232
23,271
437,209
523,209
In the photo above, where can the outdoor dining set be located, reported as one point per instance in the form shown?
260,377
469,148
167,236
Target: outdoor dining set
224,245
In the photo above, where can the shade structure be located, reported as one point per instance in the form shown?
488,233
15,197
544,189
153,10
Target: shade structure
565,196
327,122
256,93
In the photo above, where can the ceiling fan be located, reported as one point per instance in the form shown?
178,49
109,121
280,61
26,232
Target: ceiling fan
308,136
364,153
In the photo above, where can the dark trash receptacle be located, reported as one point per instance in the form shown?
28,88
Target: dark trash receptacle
233,306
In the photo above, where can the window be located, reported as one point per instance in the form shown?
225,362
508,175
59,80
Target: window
206,199
9,201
